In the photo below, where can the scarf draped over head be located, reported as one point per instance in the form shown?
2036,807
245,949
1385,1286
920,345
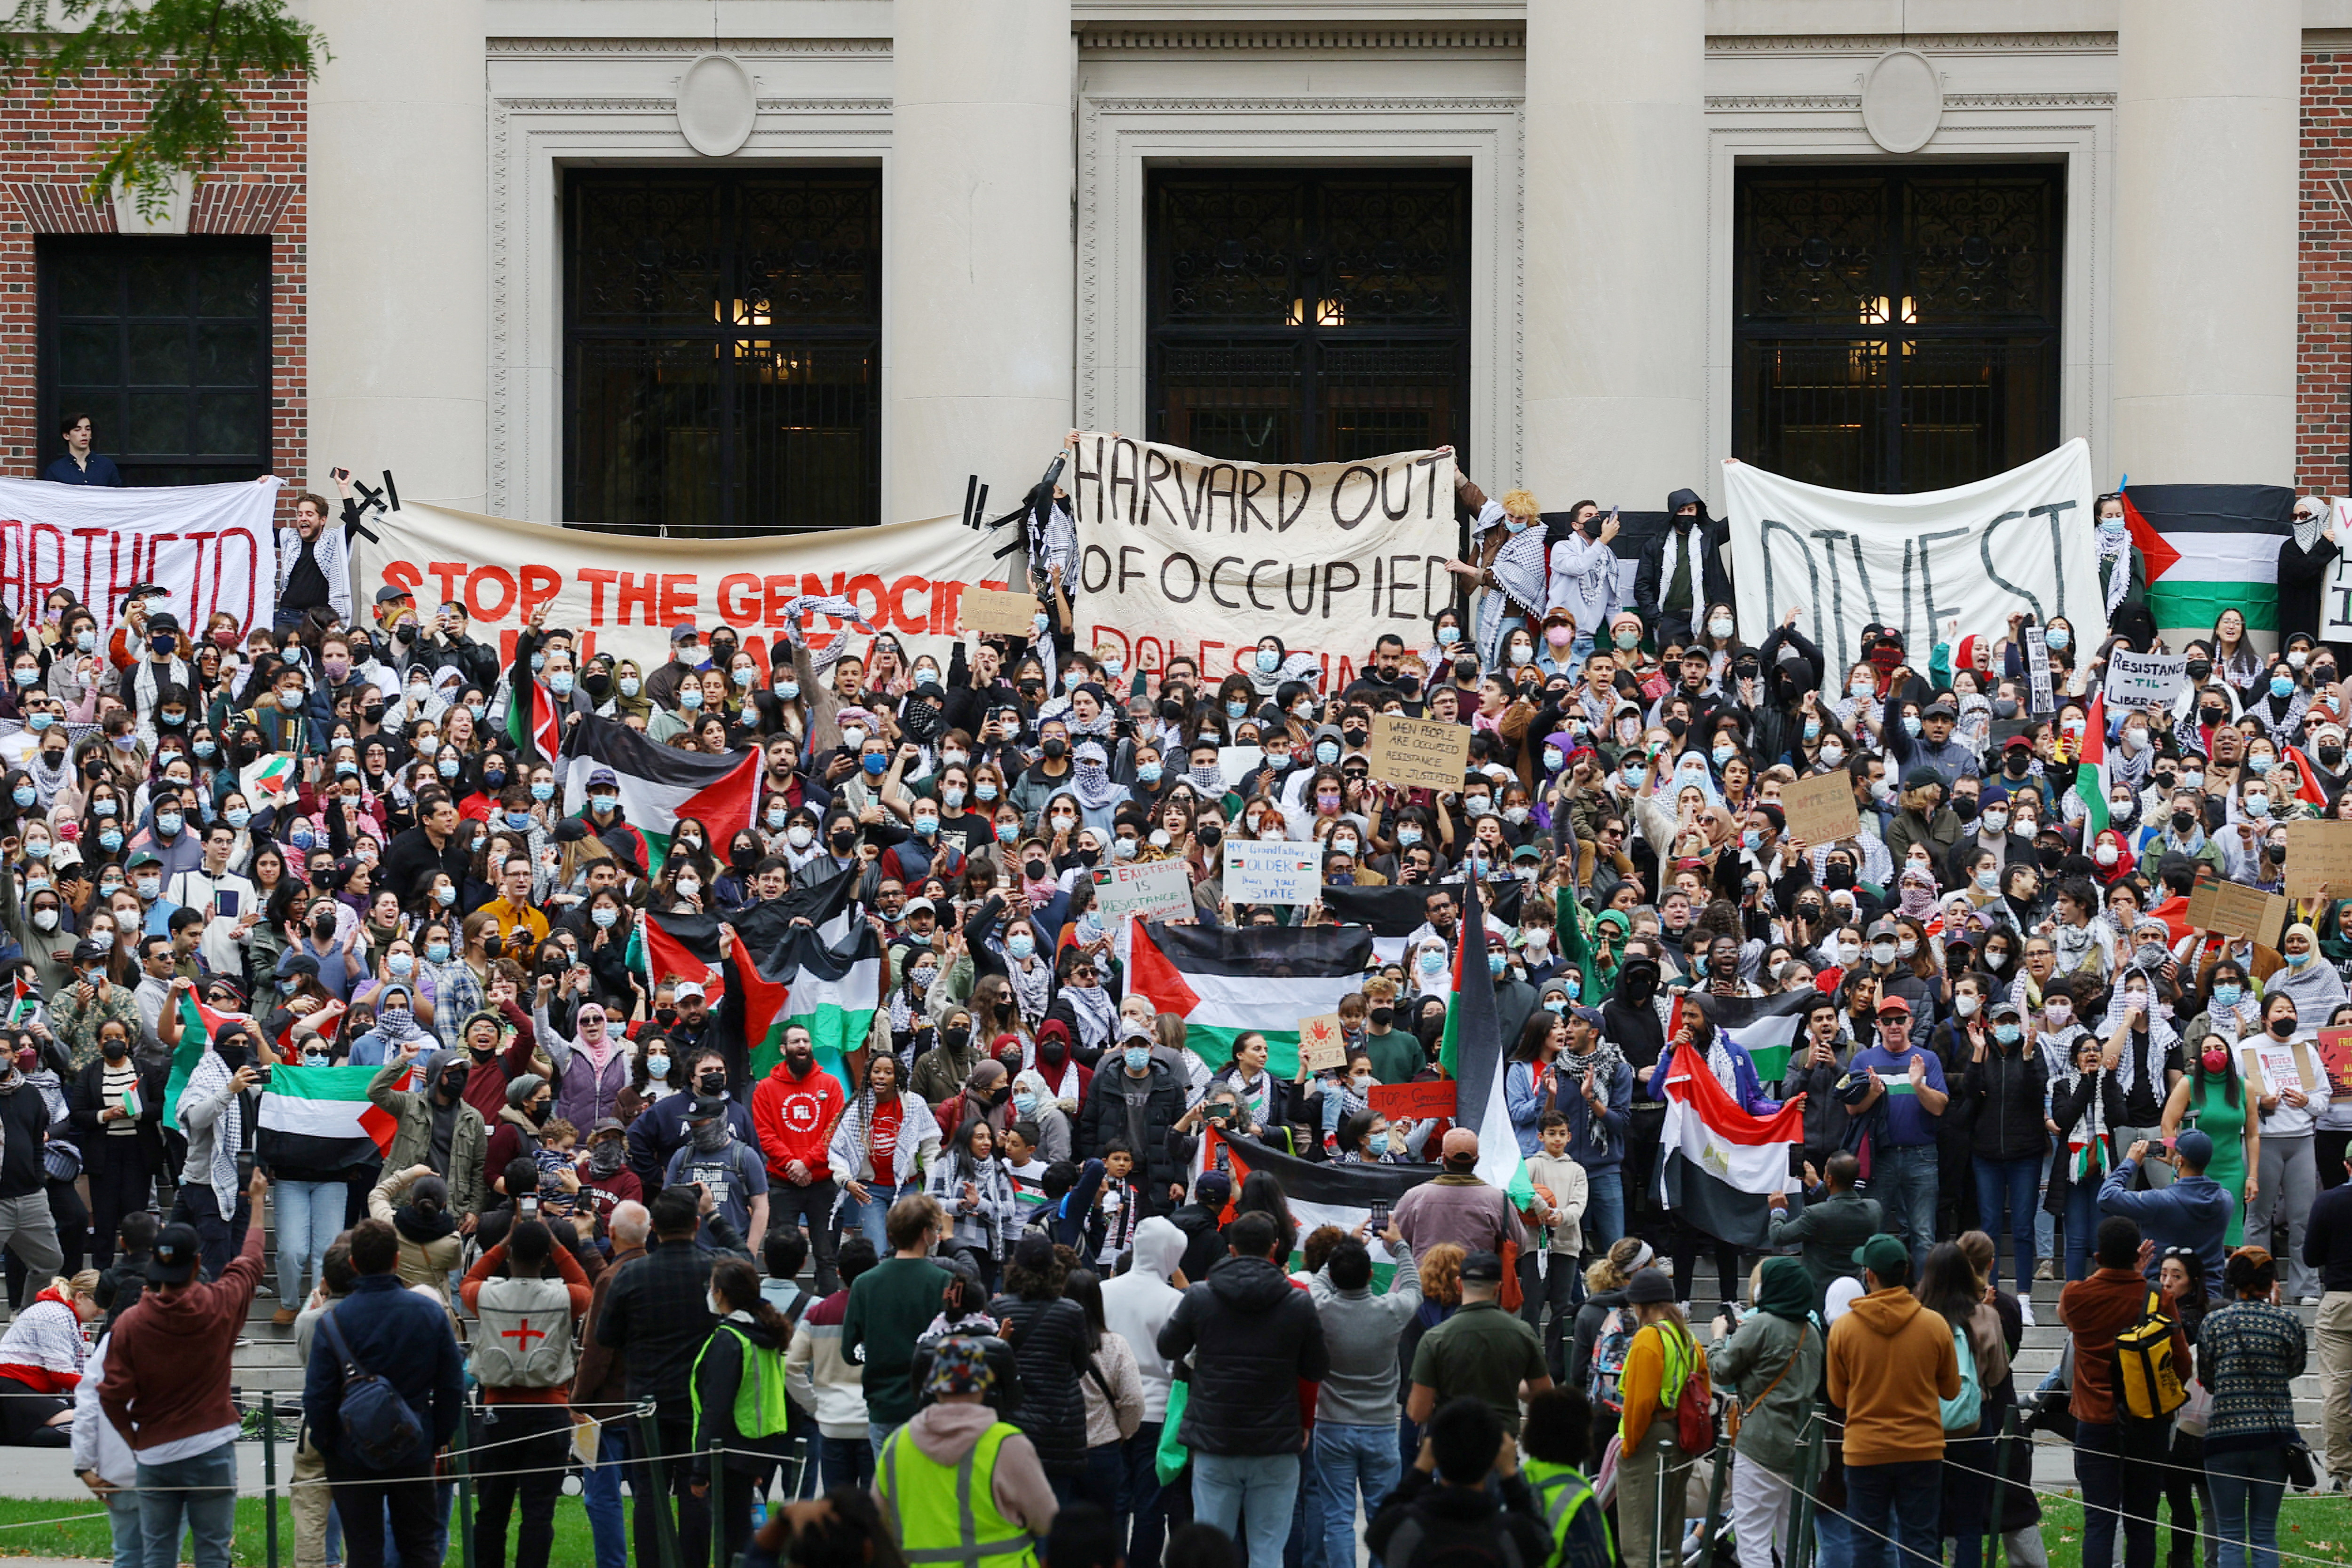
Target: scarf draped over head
2308,514
2336,931
2115,565
1785,1290
1093,784
2161,1037
1918,893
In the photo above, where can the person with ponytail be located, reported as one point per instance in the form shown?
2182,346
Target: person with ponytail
739,1398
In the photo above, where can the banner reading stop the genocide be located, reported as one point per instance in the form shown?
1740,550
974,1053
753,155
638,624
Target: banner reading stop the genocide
623,594
211,548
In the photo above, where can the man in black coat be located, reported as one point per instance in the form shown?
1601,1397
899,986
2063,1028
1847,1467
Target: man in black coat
1253,1337
1672,590
1202,1223
1141,1107
439,842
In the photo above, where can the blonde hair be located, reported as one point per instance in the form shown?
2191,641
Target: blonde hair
1613,1270
1521,504
82,1284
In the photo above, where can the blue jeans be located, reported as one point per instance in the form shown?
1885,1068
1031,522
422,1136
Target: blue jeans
1140,1499
129,1540
1903,1179
1904,1501
1833,1540
845,1462
1604,1210
600,1495
1228,1487
1351,1460
309,1217
199,1493
2082,1226
2013,1185
865,1219
2247,1487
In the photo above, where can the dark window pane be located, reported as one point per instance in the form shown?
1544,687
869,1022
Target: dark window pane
227,354
159,355
159,423
160,284
223,424
231,284
89,355
87,286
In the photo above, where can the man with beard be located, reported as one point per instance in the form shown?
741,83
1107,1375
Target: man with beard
1631,1021
793,1109
1596,1093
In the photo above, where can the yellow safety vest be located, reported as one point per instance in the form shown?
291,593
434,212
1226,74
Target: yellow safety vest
944,1515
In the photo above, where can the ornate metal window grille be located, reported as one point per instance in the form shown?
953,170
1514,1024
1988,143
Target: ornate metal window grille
1896,328
723,350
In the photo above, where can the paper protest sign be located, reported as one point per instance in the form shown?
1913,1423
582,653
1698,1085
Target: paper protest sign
1273,871
2234,910
2319,855
1007,612
1395,1100
1234,763
1821,810
1321,1045
2336,1055
1419,754
1154,891
2144,680
2037,670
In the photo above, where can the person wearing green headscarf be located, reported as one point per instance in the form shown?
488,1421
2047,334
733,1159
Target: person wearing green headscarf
1772,1360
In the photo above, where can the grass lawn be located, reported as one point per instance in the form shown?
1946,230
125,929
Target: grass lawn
26,1530
2311,1526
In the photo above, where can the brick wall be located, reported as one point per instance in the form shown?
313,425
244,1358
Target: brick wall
49,146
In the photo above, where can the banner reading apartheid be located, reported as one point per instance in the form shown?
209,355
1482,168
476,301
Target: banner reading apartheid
209,547
2017,542
622,595
1183,554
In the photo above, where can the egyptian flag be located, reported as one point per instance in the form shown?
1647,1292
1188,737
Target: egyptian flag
1394,913
1718,1166
1224,981
199,1026
320,1118
659,784
1322,1192
1765,1027
1473,1049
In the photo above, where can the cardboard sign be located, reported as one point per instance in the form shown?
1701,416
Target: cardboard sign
998,611
2319,855
1152,892
2336,1055
2037,669
2281,1065
1821,810
1419,754
1320,1044
1416,1100
1273,871
2144,680
2234,910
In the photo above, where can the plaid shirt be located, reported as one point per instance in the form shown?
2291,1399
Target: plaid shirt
658,1313
457,996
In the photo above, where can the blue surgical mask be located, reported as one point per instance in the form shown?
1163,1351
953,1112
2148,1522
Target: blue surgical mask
744,677
24,794
1722,755
1268,660
1813,730
1376,1145
1147,772
2228,996
1575,984
690,697
1326,752
538,663
444,895
2282,686
1632,774
203,749
41,721
1408,836
1552,760
436,952
1138,1057
2058,637
2006,1033
400,964
1021,946
789,690
519,820
604,914
1911,724
1431,961
1556,1005
167,822
560,683
542,791
1448,635
238,817
875,764
1752,840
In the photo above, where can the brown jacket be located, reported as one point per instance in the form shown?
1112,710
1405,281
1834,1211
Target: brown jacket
167,1370
2096,1310
1891,1363
599,1384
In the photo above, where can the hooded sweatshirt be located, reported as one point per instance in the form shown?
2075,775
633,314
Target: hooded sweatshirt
945,1433
1891,1361
1136,1304
1360,1330
794,1118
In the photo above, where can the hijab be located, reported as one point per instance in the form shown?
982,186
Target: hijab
1785,1290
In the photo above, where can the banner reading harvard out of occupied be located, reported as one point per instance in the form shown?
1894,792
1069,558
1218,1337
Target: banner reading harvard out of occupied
1193,555
2019,541
623,594
210,546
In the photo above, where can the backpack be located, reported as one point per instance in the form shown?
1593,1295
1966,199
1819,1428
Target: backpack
380,1430
524,1340
2147,1386
1964,1411
1693,1404
1609,1348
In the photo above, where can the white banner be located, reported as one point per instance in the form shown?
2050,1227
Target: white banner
623,594
2017,542
1192,555
2144,680
210,546
1273,871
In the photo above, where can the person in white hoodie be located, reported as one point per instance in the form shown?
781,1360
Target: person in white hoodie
1136,1304
101,1457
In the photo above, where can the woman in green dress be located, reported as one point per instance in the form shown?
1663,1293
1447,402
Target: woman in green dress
2212,1096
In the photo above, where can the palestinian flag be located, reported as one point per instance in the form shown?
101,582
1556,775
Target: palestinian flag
833,991
2308,787
659,784
1396,913
321,1118
1765,1028
199,1027
1718,1164
1473,1049
2090,786
2209,547
24,999
531,723
270,780
1224,981
687,946
323,1018
1322,1192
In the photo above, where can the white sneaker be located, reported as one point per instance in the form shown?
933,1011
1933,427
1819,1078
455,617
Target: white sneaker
2025,1310
2311,1301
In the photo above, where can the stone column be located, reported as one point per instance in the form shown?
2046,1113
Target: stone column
1615,346
2206,164
980,265
398,248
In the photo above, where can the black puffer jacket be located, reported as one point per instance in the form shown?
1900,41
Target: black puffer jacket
1052,1346
1104,1117
1253,1336
2004,1093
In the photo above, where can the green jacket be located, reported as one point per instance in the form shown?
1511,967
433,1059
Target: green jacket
1750,1364
412,1141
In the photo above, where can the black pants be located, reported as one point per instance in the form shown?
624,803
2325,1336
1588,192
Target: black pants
219,1237
534,1444
2118,1469
361,1497
117,1187
788,1206
675,1445
741,1488
2328,1146
1688,1242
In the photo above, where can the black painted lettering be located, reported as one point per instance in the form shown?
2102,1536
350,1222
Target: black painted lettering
1339,495
1290,590
1250,586
1193,570
1333,587
1216,569
1984,554
1285,512
1253,482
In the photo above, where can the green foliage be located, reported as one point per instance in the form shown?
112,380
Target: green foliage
187,61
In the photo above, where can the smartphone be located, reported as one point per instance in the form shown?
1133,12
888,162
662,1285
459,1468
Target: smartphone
530,1205
1380,1214
339,475
225,902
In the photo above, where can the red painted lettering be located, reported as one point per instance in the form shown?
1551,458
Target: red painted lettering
738,598
680,592
598,578
539,585
638,596
480,608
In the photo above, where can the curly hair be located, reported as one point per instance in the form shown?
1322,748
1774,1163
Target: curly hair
1440,1273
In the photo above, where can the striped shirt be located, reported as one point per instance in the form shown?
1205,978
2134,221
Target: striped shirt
115,1081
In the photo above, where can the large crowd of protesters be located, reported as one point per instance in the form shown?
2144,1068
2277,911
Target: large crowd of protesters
989,1291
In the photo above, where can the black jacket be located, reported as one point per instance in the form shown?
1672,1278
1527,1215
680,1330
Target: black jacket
1205,1241
1423,1522
2004,1093
657,1312
719,1372
2302,577
1103,1117
1711,586
85,1097
1053,1348
25,1127
411,856
1253,1336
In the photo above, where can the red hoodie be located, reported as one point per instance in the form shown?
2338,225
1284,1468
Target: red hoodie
794,1118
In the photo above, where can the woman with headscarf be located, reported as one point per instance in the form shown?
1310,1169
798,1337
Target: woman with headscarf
1773,1362
970,1183
2314,983
395,1029
986,1095
884,1145
591,1067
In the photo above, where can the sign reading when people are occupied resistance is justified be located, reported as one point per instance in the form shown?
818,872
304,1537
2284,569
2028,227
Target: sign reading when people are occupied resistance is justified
2020,542
1202,557
211,548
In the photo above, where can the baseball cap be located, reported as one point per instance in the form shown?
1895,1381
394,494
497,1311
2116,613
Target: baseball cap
1939,708
684,632
1921,776
2017,743
923,906
690,989
1586,1015
2006,1009
1894,1005
1460,1143
90,950
603,776
1884,1256
139,857
1482,1266
2195,1147
705,1107
173,1260
1882,926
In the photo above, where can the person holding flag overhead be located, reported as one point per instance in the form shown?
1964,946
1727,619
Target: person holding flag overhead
1697,1042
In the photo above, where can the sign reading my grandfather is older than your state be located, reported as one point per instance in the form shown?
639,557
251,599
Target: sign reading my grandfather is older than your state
1418,753
1273,871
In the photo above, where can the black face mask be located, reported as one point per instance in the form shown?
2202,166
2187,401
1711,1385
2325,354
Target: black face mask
842,840
114,1048
2282,1027
957,1039
2050,856
2277,853
2199,669
712,1082
2183,820
1382,1017
1210,834
1056,748
1088,855
2016,764
2005,707
481,1053
2331,756
1355,737
232,1056
1964,807
539,1112
743,857
998,1096
323,927
596,685
1839,878
2209,716
452,1084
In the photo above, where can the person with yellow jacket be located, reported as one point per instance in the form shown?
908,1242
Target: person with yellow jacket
1652,1468
956,1481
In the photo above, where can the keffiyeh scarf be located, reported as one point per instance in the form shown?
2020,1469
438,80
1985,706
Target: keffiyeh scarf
1095,1013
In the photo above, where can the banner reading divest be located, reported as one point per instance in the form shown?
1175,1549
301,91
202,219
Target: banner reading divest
622,595
210,546
2019,541
1183,554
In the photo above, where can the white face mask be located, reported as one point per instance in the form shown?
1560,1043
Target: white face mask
1965,1005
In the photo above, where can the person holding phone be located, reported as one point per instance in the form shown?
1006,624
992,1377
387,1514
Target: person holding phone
231,905
314,564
